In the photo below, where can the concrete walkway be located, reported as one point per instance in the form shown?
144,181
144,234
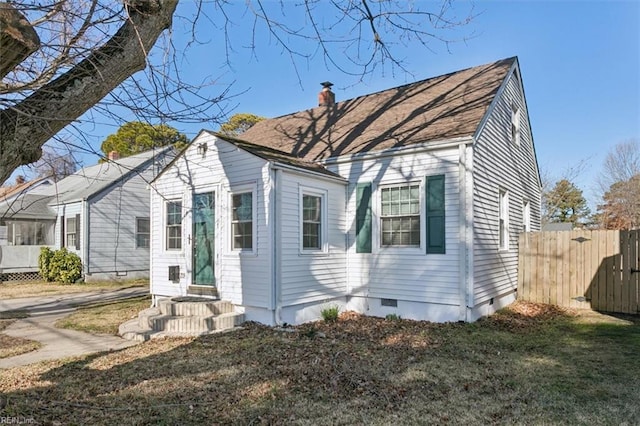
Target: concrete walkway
60,343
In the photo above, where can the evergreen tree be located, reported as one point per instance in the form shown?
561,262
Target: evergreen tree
239,123
135,137
565,203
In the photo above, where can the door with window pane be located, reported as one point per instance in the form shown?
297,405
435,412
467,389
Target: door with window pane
203,239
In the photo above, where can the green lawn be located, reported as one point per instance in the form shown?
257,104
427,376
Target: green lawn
10,290
531,364
104,317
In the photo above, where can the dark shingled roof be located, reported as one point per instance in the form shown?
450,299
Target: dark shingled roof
274,155
438,108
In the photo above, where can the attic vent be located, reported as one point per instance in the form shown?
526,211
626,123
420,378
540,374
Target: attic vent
174,274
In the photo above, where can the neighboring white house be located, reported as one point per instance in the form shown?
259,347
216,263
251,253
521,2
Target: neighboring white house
100,213
26,224
407,201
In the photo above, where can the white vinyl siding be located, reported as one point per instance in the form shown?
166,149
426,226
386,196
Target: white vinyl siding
404,273
498,163
311,275
242,277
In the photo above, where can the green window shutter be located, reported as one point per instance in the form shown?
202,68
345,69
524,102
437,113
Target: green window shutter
363,218
435,214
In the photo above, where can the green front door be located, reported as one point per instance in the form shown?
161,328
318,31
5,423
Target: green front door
203,239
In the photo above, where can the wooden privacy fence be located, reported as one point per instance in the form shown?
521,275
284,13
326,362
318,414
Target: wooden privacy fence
581,269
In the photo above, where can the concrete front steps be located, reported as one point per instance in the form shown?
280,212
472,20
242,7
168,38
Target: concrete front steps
181,316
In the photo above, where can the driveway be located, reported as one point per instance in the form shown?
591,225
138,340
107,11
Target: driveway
60,343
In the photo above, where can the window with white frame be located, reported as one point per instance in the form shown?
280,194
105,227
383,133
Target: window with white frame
515,124
242,221
311,222
71,231
174,225
400,215
526,216
143,232
503,209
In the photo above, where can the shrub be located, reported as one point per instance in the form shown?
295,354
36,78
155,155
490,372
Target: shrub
44,263
60,265
330,314
393,317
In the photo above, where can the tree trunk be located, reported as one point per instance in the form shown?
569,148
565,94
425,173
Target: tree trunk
25,127
18,39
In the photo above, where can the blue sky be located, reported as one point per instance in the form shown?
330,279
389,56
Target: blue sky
580,63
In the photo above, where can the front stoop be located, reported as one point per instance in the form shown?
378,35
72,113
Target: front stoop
182,316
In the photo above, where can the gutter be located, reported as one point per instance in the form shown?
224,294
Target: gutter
306,172
412,149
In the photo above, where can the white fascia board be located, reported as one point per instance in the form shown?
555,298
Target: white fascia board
411,149
305,172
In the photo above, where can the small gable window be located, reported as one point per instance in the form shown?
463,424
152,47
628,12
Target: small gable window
515,124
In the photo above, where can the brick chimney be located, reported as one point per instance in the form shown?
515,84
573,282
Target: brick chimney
113,155
326,97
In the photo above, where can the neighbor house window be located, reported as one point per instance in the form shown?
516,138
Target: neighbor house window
143,232
72,235
400,216
503,210
242,221
311,222
526,217
515,124
174,225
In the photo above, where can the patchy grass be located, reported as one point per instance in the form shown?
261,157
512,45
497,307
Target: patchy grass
12,346
104,318
41,288
530,364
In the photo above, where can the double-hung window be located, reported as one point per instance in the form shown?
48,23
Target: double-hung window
72,226
311,222
174,225
400,216
242,221
143,232
503,211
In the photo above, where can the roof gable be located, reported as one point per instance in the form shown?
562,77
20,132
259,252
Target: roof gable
439,108
91,180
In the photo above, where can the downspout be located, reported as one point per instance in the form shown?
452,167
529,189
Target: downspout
462,233
470,212
276,251
85,236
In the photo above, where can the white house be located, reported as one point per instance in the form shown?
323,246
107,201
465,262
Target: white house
407,201
101,213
